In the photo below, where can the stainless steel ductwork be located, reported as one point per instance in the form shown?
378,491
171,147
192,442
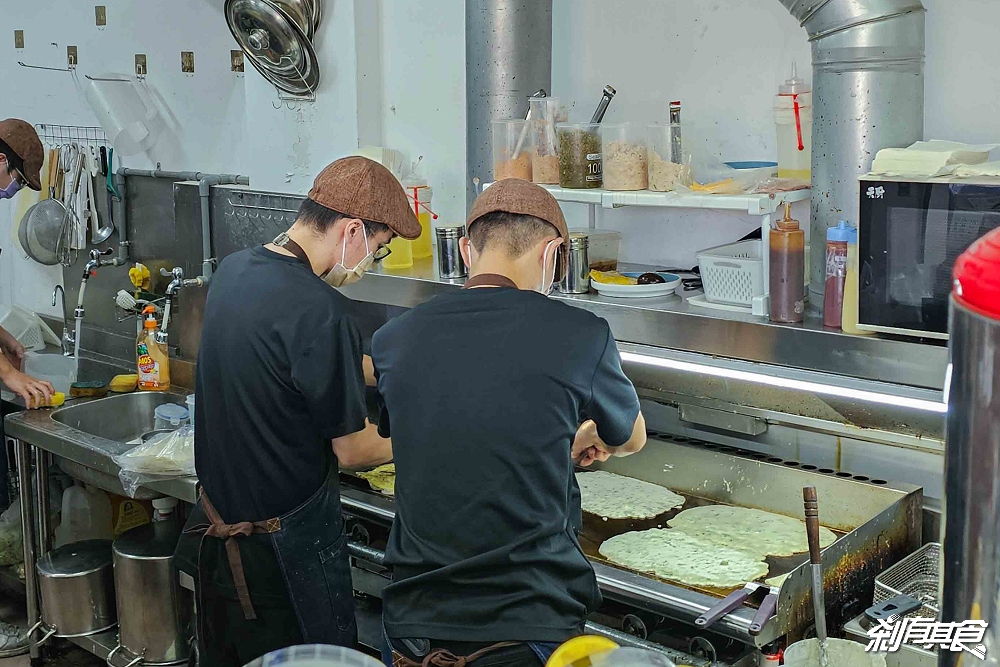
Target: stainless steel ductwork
868,94
508,56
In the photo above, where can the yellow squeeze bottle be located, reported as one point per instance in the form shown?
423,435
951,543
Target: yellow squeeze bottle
151,358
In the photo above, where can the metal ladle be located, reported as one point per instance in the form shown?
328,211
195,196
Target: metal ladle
101,234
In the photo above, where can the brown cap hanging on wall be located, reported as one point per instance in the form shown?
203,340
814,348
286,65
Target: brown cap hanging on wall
23,140
513,195
362,188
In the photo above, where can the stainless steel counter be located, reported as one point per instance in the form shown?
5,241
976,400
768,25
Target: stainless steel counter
670,322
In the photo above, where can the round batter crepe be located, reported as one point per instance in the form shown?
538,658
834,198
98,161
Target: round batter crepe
674,555
382,478
617,497
755,531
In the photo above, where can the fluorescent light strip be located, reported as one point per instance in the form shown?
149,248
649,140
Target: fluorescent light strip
787,383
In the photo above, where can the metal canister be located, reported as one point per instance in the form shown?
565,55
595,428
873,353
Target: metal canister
77,588
155,611
971,570
576,279
449,254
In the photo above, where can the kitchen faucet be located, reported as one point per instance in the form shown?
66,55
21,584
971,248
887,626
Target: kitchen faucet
173,289
89,271
67,335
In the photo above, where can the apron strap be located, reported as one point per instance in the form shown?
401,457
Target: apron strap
488,280
444,658
285,241
228,532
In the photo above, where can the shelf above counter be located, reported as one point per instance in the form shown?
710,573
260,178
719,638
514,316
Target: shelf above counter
751,204
670,322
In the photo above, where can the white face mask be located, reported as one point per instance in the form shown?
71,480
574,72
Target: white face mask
551,274
340,275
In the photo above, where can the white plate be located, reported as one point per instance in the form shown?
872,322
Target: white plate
638,291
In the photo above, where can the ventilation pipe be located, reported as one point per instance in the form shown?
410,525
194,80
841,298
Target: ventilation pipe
868,94
508,56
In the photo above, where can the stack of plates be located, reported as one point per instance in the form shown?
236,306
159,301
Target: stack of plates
276,36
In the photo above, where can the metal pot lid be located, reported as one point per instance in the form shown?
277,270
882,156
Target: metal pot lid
75,559
275,45
300,12
317,14
152,541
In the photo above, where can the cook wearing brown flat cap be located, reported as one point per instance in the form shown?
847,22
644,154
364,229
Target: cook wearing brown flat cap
21,157
281,407
492,393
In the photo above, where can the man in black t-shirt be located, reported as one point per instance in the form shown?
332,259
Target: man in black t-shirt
280,394
491,394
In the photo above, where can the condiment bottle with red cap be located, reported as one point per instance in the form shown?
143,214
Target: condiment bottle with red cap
836,273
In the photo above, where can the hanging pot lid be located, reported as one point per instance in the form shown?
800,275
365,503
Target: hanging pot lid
275,45
300,12
317,14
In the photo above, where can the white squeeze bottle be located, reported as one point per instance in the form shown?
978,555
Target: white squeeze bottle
793,116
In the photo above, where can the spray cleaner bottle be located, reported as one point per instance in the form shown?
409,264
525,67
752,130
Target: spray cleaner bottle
151,358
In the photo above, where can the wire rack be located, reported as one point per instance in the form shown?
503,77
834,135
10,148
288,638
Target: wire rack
58,135
917,575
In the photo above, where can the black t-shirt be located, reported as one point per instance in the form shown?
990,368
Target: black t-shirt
279,376
484,390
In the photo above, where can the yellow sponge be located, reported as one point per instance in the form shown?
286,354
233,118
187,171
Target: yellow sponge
123,384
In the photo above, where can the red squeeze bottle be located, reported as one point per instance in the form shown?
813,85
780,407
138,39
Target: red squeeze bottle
836,274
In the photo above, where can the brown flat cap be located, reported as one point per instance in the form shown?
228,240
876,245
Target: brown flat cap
23,140
513,195
362,188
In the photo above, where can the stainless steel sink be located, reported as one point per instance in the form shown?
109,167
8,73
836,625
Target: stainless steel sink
119,418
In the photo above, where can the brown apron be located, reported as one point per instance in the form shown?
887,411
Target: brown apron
442,658
229,532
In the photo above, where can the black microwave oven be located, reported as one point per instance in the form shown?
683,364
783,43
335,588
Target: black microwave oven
909,235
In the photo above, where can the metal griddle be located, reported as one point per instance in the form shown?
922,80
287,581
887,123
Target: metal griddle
877,524
596,530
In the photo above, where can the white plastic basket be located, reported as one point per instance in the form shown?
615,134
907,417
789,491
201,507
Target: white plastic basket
25,327
733,273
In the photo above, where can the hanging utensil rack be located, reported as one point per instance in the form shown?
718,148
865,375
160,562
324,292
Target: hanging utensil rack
264,206
59,135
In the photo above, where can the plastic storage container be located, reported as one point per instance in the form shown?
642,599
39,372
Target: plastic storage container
57,370
545,113
26,328
419,194
170,415
125,110
86,515
666,164
733,274
836,272
787,269
602,249
623,147
400,255
580,158
190,406
793,116
315,655
511,149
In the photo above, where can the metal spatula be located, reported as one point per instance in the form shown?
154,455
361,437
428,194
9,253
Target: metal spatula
811,501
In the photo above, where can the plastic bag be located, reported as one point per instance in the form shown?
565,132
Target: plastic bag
164,456
11,536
